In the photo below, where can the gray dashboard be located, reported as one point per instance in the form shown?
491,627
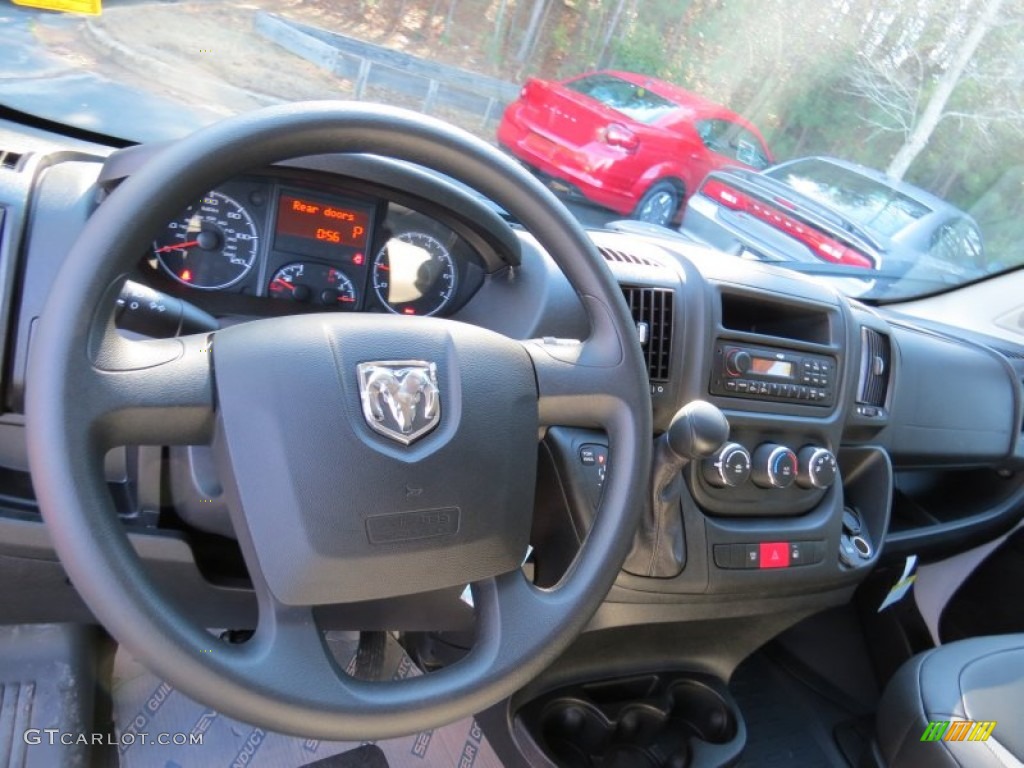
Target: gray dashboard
905,410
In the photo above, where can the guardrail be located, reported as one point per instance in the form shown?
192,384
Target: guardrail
434,86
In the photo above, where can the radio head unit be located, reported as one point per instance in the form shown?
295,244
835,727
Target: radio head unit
769,373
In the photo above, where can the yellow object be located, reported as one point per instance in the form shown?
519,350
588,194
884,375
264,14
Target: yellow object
91,7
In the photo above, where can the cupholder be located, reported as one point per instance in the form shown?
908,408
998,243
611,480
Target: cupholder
704,710
650,721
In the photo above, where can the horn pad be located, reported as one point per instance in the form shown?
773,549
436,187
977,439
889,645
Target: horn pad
376,456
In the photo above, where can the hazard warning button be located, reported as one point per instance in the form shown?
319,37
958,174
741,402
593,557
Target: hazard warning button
774,554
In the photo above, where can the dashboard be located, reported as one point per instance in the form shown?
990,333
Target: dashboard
851,427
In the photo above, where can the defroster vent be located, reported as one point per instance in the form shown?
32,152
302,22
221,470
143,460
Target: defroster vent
613,254
652,311
876,357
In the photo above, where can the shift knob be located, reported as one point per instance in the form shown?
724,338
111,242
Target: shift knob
697,430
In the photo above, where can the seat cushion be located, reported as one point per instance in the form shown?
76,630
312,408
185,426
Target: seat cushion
981,679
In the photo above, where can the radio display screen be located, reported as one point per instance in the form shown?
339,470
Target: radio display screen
768,367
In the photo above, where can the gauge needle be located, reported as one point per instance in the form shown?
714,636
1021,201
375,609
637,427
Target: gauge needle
178,246
281,285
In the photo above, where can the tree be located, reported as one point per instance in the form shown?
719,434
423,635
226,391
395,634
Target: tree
912,92
532,33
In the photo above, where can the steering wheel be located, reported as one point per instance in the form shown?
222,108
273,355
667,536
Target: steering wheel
319,494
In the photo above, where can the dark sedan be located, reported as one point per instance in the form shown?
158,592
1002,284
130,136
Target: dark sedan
825,210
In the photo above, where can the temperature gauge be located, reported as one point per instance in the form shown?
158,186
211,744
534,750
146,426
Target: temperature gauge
313,284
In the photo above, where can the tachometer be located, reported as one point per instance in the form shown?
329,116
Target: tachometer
314,283
414,274
211,246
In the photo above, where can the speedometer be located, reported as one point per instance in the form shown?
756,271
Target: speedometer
414,274
211,246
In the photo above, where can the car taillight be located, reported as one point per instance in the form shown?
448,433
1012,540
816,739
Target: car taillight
528,88
616,135
828,248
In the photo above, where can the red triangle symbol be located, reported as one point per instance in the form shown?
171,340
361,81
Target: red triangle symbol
775,555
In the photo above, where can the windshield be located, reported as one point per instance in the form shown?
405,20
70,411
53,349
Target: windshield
930,94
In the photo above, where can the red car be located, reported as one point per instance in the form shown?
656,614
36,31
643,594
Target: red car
628,142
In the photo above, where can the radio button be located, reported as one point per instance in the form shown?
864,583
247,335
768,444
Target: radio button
737,362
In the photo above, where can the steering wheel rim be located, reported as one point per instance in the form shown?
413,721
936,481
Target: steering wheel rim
91,390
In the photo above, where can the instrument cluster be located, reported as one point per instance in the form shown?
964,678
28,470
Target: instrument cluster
317,247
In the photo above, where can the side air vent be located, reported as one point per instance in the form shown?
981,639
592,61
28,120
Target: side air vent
9,160
611,254
876,357
652,310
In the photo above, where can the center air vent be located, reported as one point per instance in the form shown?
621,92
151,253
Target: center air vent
651,309
876,357
9,159
611,254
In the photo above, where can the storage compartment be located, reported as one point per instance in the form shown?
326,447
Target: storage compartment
867,494
765,317
657,720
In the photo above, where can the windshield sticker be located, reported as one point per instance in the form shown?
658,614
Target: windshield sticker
89,7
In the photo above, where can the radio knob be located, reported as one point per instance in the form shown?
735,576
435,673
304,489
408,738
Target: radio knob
817,467
774,466
737,362
730,467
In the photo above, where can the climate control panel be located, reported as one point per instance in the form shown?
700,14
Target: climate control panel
771,466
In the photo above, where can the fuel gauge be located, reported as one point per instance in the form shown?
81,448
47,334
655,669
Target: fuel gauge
312,283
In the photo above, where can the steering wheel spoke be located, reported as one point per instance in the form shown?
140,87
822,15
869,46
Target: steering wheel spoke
157,392
583,383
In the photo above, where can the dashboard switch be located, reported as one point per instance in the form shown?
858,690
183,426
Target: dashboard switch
774,554
801,553
730,467
817,467
774,466
751,555
723,556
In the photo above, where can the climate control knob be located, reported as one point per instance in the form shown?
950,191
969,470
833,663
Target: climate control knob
774,466
737,362
817,467
729,467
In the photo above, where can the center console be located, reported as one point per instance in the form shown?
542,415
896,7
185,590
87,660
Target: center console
782,519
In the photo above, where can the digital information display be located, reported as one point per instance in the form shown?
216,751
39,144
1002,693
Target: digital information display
316,227
768,367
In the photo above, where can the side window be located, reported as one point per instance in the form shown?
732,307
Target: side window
958,241
749,150
713,135
733,141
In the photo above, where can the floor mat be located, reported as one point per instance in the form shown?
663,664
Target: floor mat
368,756
145,704
783,719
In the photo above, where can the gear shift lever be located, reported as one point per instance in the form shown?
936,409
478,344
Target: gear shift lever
696,431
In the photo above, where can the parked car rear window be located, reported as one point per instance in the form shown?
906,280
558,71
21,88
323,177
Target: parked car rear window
870,203
634,101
